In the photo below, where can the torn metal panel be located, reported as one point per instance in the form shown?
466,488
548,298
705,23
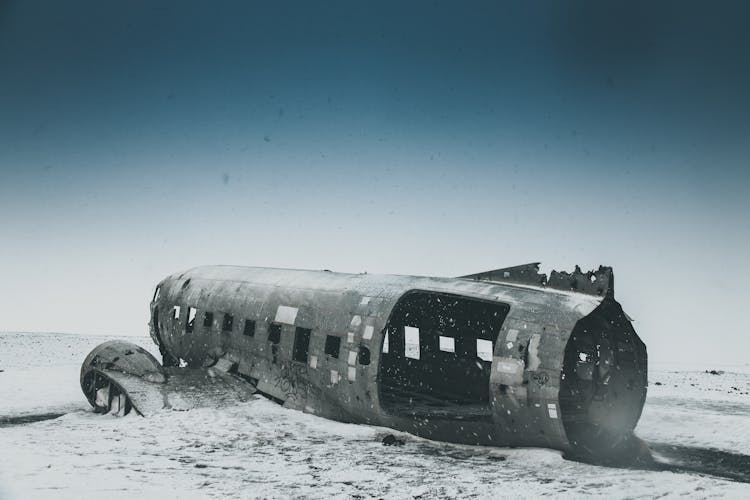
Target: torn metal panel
599,282
507,357
527,274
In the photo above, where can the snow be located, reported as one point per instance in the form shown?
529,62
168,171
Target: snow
259,449
696,408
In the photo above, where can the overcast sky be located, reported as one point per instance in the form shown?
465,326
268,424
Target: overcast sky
433,138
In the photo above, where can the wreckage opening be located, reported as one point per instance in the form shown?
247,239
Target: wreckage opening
603,383
437,356
105,395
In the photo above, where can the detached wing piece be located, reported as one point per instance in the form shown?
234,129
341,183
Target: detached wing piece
119,377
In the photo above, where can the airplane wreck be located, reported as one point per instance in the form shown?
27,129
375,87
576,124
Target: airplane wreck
508,357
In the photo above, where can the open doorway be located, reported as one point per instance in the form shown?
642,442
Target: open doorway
437,356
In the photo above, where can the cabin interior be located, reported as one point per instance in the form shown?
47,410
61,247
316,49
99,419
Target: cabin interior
437,356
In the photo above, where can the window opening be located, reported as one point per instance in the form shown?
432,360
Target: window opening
189,326
364,355
274,337
484,349
301,344
411,335
333,345
274,333
249,329
208,319
226,325
157,292
176,312
447,344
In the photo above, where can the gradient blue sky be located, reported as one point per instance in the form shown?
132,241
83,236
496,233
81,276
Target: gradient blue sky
433,138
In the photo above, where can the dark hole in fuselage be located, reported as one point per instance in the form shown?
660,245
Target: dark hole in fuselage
190,325
421,379
301,344
249,329
274,333
333,346
363,358
274,337
226,325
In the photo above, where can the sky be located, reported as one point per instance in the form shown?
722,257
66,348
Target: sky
436,138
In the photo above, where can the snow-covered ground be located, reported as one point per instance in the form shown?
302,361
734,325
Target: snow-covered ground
697,422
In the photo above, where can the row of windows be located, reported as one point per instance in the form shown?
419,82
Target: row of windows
227,322
300,351
301,347
484,348
413,347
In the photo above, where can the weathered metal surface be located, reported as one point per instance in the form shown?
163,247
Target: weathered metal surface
117,368
314,341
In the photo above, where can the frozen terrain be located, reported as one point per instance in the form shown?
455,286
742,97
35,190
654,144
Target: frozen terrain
53,446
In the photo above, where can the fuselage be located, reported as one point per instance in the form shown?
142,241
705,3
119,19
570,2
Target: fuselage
451,359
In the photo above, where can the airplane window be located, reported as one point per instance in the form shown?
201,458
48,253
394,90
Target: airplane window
412,342
447,344
484,349
226,325
249,329
274,337
274,333
364,355
301,344
190,320
333,345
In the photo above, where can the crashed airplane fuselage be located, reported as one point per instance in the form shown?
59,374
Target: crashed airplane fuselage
505,358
